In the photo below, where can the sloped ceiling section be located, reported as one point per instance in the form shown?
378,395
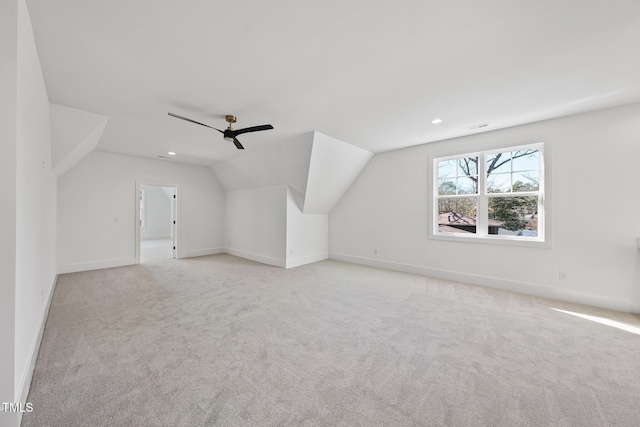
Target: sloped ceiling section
333,168
74,134
279,164
317,168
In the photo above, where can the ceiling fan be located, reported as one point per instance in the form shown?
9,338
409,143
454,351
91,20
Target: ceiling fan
229,133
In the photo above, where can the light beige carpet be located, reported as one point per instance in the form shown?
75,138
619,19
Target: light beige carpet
219,340
154,251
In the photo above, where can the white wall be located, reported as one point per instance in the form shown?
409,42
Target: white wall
266,225
8,142
268,190
256,224
36,204
595,214
28,188
159,213
97,217
307,235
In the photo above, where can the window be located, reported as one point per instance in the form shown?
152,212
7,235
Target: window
495,194
143,203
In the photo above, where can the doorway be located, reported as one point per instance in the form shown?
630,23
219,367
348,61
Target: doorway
157,225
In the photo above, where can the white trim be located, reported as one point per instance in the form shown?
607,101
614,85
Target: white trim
203,252
296,262
493,240
278,262
27,376
97,265
533,289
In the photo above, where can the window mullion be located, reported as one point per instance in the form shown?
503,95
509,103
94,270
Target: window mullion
481,215
541,194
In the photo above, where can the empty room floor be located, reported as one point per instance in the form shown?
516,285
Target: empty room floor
220,340
155,250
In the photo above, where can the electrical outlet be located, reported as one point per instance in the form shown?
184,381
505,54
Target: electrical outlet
375,251
562,275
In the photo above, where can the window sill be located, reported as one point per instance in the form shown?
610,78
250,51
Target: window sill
494,240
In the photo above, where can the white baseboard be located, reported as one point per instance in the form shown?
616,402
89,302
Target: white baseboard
296,262
257,257
202,252
27,376
96,265
538,290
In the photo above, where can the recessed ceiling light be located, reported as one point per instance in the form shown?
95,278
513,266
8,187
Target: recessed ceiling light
436,121
171,153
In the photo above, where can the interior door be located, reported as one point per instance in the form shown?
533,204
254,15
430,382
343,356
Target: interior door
174,208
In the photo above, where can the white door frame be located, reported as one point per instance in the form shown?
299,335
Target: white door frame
176,215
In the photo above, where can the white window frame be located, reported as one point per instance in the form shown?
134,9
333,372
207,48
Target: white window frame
543,239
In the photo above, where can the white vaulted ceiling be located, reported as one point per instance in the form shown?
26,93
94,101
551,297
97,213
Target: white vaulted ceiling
371,74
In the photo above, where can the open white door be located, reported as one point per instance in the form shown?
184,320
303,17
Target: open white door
156,220
174,229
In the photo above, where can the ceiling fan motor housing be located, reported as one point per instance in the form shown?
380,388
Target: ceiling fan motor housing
228,133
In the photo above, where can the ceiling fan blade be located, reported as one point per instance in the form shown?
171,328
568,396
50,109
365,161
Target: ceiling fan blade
193,121
252,129
237,144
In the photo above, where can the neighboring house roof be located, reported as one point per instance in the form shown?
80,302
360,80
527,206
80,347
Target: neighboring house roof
457,219
449,229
